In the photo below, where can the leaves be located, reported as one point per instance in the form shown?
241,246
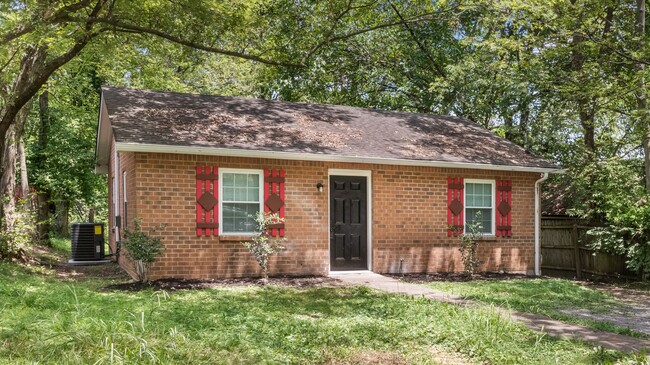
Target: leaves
262,246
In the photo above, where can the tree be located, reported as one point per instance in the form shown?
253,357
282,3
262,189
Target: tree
641,93
39,38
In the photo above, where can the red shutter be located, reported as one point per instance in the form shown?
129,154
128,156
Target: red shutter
455,206
207,200
504,208
274,198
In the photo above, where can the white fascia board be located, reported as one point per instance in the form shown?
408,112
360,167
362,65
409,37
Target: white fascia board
229,152
104,137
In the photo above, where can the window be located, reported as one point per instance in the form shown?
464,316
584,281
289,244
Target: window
125,217
241,197
479,205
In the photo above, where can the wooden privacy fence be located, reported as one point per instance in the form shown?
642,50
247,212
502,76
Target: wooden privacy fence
565,252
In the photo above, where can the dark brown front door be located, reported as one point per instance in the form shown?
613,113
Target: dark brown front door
348,226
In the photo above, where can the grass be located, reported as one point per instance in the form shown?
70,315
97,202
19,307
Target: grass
542,296
46,319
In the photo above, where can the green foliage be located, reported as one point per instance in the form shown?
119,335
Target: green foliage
262,246
64,166
143,248
618,200
469,246
51,320
17,237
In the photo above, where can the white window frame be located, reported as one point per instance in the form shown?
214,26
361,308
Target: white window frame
494,208
124,201
116,194
221,185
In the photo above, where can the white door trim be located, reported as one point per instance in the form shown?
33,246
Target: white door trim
368,175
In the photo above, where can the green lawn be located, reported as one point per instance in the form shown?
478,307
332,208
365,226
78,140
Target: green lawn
543,296
47,319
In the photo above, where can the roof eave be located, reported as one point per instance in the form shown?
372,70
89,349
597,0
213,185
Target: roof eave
104,137
231,152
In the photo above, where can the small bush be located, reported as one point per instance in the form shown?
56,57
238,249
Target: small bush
17,234
142,248
262,246
469,247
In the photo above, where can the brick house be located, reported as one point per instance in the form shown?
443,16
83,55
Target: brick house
360,189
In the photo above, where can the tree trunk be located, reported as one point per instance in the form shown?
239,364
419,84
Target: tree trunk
508,126
585,109
642,93
523,125
24,182
9,149
43,218
8,180
62,214
43,201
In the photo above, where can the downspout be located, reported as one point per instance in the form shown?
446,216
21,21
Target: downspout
538,223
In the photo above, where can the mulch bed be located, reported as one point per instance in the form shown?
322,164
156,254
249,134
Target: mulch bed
191,284
458,277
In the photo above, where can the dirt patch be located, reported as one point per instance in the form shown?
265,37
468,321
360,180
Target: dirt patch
445,357
439,355
457,277
48,260
193,284
111,271
370,358
633,312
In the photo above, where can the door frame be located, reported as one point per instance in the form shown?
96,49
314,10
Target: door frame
349,172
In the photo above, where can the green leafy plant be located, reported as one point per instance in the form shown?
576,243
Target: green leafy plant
262,246
17,235
621,206
469,246
143,248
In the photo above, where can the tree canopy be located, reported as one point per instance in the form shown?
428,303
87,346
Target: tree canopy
564,79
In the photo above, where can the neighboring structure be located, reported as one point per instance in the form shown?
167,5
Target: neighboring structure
360,189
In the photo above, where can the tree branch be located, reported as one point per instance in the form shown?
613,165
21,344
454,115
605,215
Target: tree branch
618,52
55,18
439,70
140,29
414,19
9,61
34,73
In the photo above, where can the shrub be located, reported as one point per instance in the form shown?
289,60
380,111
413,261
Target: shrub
262,246
469,247
17,233
622,206
142,248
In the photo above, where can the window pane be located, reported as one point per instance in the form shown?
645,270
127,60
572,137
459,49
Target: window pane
228,194
469,189
253,180
478,195
241,187
253,194
239,217
482,216
228,180
240,194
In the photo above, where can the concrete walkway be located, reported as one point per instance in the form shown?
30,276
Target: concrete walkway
535,322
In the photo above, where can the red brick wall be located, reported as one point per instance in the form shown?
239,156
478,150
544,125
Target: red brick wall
409,218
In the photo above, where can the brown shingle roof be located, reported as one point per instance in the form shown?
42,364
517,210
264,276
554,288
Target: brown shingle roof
176,119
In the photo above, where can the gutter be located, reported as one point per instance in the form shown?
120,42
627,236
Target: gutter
538,223
232,152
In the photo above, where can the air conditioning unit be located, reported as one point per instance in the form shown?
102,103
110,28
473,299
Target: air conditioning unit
87,241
